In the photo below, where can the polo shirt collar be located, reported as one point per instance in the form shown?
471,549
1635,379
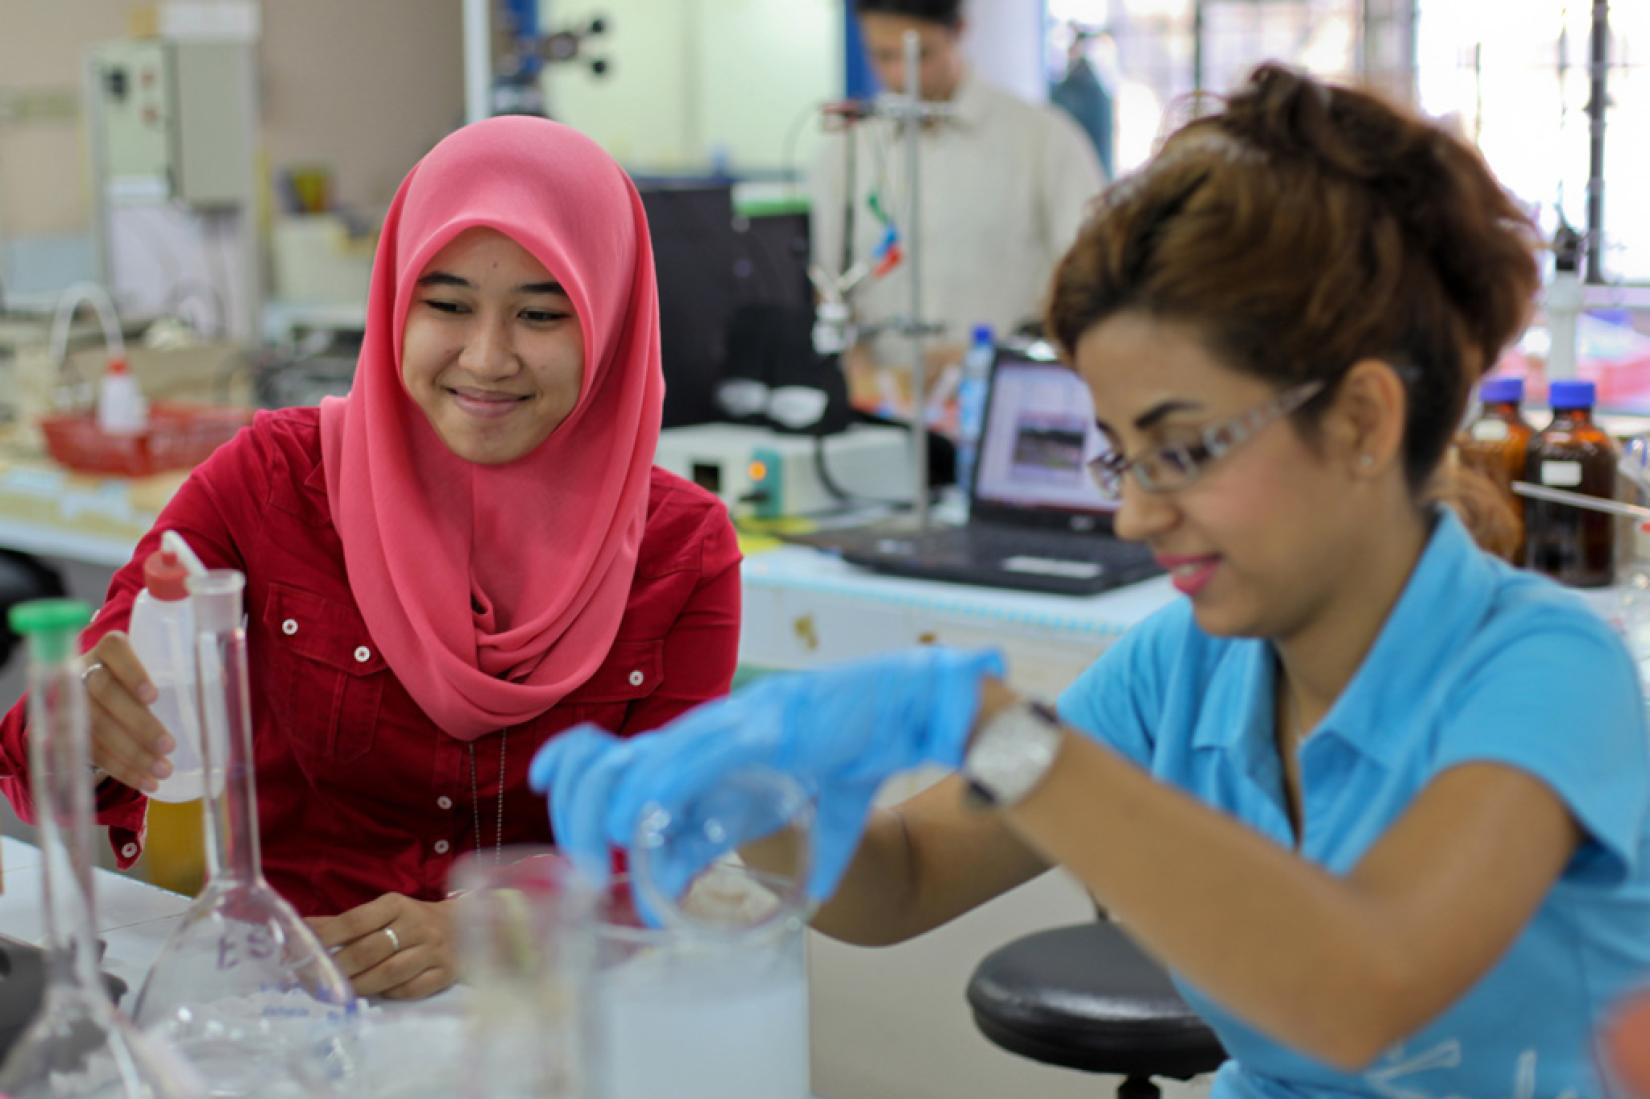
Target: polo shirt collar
1447,596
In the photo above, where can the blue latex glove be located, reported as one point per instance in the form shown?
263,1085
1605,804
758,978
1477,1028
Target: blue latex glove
840,732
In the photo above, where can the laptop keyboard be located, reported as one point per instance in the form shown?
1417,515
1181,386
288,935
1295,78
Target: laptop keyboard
985,542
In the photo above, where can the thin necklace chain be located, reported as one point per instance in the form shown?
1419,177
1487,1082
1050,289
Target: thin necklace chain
475,798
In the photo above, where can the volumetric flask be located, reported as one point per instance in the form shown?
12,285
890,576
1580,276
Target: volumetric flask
526,924
79,1044
702,988
243,987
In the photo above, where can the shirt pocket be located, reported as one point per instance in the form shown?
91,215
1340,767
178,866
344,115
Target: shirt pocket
327,676
632,671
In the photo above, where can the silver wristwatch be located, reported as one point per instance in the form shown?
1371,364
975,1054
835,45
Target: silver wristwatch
1010,753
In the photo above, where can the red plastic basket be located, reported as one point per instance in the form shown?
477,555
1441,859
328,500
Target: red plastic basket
179,436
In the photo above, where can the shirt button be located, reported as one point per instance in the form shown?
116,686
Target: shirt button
442,847
363,654
444,802
289,627
636,678
129,851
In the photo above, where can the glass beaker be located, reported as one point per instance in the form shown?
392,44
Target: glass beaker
243,987
702,991
699,1013
79,1044
526,934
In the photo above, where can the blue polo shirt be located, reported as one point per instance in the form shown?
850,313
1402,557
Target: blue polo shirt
1477,661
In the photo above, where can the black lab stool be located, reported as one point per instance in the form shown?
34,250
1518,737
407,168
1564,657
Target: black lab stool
1087,998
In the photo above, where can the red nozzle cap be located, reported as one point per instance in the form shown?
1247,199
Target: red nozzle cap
164,576
116,366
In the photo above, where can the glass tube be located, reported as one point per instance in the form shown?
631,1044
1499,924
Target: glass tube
243,987
79,1044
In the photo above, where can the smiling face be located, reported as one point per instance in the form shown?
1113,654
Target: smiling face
492,351
1263,538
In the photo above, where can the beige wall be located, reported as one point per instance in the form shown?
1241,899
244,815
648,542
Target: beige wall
363,85
43,164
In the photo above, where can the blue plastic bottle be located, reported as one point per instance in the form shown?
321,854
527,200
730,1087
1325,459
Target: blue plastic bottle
971,391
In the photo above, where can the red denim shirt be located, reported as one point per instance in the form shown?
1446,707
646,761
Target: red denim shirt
359,793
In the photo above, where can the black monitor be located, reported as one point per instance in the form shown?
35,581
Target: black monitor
709,264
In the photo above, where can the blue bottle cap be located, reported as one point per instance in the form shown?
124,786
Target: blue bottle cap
1501,389
983,334
1571,394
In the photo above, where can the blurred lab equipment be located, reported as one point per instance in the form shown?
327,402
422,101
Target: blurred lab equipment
243,987
80,1044
171,123
526,936
1574,546
711,1007
71,392
972,388
319,259
763,474
505,48
900,246
121,407
52,392
1563,302
735,306
702,983
683,977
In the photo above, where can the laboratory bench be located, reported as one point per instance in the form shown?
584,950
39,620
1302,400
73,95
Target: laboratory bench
886,1022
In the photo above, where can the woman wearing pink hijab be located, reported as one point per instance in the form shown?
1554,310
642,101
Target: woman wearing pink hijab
465,556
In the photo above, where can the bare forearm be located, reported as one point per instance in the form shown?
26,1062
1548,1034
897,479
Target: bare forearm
922,864
1272,937
869,907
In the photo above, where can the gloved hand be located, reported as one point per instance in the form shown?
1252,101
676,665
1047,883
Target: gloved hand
840,732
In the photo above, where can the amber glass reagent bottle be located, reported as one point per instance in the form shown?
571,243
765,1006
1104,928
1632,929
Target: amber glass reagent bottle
1572,545
1496,442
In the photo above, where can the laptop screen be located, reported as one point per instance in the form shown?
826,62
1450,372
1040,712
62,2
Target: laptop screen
1038,433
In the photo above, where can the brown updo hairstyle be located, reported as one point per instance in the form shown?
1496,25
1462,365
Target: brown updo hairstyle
1308,226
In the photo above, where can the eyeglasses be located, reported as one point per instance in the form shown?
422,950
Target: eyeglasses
1168,468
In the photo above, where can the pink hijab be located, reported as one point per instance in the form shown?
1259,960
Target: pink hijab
493,591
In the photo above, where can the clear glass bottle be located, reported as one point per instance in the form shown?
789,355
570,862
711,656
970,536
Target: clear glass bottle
243,987
79,1044
1573,545
971,394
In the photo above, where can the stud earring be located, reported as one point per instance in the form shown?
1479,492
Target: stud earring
1365,461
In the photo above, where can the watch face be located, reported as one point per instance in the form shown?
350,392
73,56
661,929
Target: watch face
1011,753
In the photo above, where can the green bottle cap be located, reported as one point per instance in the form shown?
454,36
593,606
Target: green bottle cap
51,625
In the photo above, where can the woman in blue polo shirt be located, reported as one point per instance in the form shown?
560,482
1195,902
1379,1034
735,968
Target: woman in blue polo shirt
1377,799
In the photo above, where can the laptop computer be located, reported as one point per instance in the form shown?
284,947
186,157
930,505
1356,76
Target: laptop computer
1037,522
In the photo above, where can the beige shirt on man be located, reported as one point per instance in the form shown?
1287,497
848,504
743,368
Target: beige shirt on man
1005,185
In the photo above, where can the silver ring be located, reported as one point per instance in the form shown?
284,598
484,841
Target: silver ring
395,940
94,666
